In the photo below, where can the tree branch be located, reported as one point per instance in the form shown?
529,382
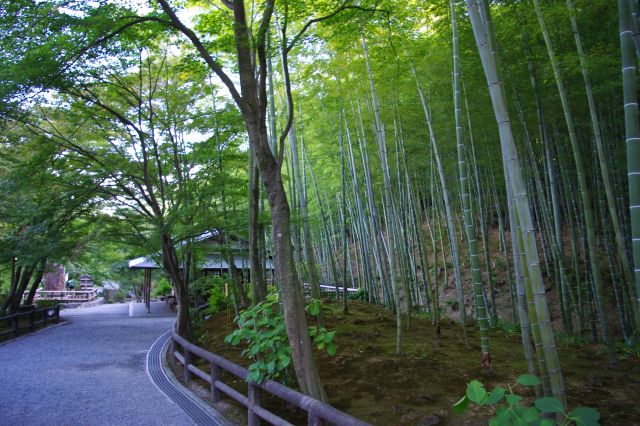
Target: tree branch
345,6
228,4
287,85
204,53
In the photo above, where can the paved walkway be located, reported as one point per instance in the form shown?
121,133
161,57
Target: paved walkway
91,371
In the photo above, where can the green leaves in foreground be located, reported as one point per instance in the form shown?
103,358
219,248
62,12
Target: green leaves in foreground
322,338
476,392
509,408
549,405
528,380
585,416
262,330
314,307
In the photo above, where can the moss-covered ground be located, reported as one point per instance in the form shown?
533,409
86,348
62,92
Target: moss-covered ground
367,380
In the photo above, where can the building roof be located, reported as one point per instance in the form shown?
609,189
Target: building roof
215,261
143,263
210,241
110,285
212,261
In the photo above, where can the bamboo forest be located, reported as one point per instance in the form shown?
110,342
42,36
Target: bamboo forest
410,212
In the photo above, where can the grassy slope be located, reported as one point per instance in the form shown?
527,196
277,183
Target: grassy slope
366,380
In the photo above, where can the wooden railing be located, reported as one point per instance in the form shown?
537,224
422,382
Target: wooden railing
332,289
69,296
318,412
36,317
328,290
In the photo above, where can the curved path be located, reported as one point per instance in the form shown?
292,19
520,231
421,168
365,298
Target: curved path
90,371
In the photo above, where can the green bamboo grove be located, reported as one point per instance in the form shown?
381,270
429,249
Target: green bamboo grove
445,159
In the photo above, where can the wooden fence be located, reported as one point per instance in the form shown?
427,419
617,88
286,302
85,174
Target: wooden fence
36,317
328,290
68,296
318,412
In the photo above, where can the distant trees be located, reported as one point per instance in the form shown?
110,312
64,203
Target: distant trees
129,90
44,210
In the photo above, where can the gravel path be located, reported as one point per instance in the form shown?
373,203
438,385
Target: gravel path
90,371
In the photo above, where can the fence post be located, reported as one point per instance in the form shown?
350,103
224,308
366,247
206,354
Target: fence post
45,318
57,313
314,420
254,401
216,395
187,361
32,315
16,320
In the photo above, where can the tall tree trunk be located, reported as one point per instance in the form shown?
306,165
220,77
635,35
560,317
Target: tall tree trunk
632,135
259,285
23,282
480,17
476,273
294,314
450,225
252,102
483,221
236,279
389,205
308,251
374,222
604,168
343,185
585,193
36,282
566,293
13,286
172,267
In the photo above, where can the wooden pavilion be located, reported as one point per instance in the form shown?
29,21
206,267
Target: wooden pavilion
215,245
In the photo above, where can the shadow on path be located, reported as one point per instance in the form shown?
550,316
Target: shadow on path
91,371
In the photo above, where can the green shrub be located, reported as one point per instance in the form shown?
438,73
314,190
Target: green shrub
46,303
217,300
322,338
508,328
361,294
262,328
162,289
120,296
510,410
628,350
196,316
204,285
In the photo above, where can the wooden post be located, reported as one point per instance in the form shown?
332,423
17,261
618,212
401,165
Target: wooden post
45,318
32,320
57,313
314,420
146,289
254,401
216,395
187,361
15,326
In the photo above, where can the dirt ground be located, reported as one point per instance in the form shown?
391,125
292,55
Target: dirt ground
367,380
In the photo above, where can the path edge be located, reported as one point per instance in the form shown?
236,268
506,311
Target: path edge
165,381
31,333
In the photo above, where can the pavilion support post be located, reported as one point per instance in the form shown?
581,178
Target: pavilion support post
146,289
